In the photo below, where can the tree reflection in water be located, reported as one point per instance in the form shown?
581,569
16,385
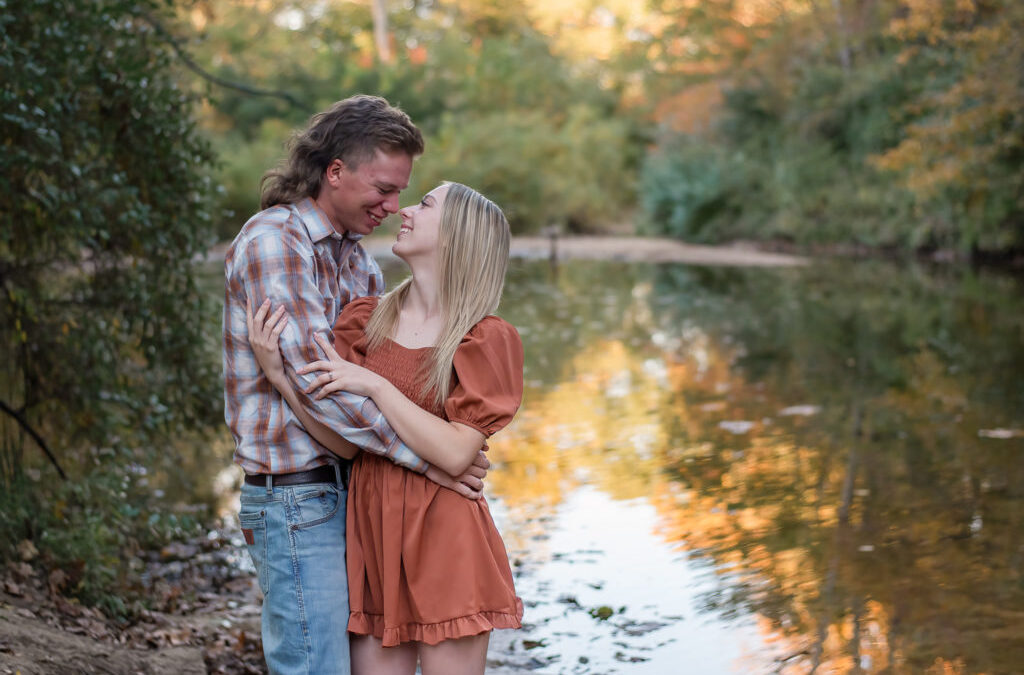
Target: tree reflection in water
811,433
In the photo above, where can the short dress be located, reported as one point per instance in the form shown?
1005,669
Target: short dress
424,563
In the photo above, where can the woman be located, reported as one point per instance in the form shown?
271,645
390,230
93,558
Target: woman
428,573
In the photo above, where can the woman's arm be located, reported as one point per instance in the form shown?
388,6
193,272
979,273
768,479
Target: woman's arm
449,445
264,333
263,338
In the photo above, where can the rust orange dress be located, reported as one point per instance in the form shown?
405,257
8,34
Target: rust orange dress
425,564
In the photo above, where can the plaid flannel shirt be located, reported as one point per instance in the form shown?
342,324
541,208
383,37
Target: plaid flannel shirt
292,255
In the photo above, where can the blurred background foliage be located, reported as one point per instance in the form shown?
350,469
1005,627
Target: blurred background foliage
106,199
880,124
891,124
135,133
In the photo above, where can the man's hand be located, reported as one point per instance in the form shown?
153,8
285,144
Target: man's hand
470,484
477,471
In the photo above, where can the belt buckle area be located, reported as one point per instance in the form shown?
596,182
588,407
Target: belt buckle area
327,473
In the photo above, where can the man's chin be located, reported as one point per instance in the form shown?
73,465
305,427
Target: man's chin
363,229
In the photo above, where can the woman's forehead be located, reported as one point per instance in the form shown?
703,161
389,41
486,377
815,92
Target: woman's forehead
439,192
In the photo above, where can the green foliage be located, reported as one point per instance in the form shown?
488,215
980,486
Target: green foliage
105,204
93,530
575,175
963,147
791,169
914,142
500,111
687,188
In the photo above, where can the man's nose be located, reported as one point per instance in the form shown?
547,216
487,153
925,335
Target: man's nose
391,203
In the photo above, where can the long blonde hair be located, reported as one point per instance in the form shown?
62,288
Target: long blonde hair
473,245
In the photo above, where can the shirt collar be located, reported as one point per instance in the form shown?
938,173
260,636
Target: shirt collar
318,225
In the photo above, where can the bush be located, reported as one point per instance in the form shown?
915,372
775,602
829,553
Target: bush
692,192
790,168
575,175
241,165
106,336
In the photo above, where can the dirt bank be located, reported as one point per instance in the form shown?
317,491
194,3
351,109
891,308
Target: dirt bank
204,617
30,646
626,249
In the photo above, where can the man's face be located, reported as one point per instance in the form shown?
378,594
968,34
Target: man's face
357,200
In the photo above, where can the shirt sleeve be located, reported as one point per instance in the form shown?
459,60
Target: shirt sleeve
274,269
488,385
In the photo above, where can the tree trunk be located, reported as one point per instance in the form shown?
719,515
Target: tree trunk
380,30
844,38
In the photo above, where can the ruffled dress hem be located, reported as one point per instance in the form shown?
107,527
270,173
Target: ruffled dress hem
362,623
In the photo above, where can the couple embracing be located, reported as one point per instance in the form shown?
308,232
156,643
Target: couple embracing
360,417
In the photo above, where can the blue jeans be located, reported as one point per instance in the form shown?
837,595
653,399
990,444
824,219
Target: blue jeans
296,538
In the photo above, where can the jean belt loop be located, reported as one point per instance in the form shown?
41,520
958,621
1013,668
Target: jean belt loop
270,485
337,476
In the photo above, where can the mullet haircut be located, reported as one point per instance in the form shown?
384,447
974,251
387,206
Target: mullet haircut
352,130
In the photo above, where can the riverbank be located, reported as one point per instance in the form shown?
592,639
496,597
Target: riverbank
203,617
625,249
630,249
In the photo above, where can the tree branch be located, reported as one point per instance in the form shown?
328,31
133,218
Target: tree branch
216,79
34,434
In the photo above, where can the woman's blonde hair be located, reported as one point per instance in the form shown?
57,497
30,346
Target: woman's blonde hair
473,245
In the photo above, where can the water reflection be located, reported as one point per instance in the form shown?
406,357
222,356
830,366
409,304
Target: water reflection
763,471
831,453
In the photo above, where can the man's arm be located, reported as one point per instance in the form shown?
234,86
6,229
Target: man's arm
271,268
264,335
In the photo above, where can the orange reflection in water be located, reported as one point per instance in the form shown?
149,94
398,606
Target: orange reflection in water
732,484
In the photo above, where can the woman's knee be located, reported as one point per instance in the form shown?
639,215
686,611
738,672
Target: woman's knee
462,656
370,657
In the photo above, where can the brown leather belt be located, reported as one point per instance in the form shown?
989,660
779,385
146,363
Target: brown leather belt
321,474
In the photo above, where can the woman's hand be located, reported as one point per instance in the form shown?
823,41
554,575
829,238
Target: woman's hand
264,336
470,484
340,375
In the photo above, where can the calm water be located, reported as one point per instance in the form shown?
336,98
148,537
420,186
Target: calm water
764,471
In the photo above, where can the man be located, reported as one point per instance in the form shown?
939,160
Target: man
342,178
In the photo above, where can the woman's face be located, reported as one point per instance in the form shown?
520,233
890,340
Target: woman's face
421,226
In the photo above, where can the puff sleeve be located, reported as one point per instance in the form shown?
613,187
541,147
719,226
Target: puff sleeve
488,377
350,329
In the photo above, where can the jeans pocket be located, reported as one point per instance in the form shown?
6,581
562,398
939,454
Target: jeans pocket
316,506
254,529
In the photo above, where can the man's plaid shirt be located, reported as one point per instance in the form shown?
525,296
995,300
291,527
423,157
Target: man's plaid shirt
292,255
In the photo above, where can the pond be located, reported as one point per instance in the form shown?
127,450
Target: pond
725,470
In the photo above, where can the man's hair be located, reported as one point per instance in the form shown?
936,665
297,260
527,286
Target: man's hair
473,249
351,130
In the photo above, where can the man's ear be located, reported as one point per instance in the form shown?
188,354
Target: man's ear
335,170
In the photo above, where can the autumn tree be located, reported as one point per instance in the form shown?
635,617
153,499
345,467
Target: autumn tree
964,145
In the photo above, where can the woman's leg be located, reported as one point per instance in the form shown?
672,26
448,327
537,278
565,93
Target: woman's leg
370,657
464,656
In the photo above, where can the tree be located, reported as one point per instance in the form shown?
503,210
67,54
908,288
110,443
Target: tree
963,147
105,205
